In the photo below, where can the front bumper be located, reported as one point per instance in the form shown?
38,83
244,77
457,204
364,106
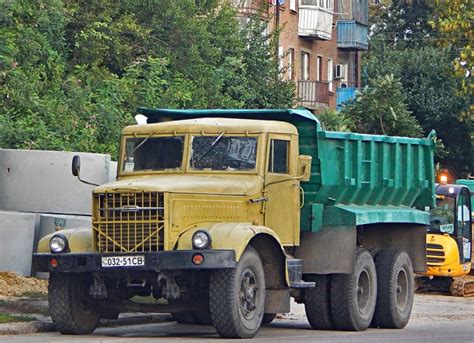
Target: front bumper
154,261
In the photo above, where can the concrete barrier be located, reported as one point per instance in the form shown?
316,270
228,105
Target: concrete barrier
16,243
41,181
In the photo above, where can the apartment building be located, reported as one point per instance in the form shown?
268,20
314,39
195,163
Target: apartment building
320,45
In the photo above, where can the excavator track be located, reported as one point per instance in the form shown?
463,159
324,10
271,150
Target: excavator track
463,286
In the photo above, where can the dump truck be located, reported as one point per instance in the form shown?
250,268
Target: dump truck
221,216
449,243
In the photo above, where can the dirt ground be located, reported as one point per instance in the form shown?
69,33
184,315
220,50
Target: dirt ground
13,285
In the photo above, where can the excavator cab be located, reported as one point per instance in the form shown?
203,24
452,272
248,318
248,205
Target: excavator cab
452,217
449,242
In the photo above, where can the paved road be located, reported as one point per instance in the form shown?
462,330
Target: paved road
434,319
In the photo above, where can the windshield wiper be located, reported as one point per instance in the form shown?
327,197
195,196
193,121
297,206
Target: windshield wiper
142,142
213,144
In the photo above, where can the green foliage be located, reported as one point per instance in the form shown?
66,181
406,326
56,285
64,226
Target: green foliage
72,72
453,19
401,24
8,318
332,120
432,89
380,108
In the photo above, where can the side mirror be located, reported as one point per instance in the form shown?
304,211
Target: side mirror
76,170
76,165
304,167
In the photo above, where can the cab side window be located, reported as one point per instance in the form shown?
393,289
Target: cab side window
278,161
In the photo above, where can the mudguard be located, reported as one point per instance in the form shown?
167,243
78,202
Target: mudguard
234,236
79,240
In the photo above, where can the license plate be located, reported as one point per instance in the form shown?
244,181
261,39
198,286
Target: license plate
123,261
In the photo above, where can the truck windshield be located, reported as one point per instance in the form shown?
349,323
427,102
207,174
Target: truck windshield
222,152
153,153
442,216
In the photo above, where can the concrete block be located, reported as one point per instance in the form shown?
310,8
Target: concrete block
53,222
41,181
16,243
113,171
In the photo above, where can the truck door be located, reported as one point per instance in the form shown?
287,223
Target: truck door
463,225
282,190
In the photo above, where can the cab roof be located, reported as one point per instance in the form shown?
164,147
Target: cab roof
212,125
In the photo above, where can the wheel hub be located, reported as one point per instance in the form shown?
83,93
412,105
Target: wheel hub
248,293
363,291
401,289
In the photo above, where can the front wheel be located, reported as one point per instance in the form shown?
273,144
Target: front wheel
71,307
395,289
237,297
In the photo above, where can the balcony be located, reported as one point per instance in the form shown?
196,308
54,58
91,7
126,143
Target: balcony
313,94
315,22
352,35
344,95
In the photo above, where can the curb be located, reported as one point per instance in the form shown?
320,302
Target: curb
23,328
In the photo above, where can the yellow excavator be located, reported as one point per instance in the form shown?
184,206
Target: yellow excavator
449,243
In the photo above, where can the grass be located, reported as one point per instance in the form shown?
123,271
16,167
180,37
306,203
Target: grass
37,295
8,318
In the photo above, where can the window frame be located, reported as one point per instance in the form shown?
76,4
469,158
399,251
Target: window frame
271,157
123,151
190,170
305,67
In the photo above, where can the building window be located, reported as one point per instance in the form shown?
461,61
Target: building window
278,161
319,68
280,58
330,74
304,66
328,4
291,64
293,5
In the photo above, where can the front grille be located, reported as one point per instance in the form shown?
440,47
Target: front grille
128,222
434,254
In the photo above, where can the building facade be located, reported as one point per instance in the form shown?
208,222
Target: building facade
319,46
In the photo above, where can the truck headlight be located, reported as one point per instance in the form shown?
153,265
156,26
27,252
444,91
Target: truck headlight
58,243
201,240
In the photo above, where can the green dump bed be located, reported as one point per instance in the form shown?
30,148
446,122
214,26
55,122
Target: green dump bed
350,168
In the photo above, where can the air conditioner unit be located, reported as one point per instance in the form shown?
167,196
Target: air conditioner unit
340,71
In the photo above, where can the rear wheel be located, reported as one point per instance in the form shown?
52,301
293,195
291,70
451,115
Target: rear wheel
71,307
395,289
353,296
237,297
316,302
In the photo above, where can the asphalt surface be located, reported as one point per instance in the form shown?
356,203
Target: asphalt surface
434,319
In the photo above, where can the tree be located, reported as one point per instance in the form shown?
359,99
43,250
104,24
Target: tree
72,72
453,20
425,70
401,24
380,108
332,120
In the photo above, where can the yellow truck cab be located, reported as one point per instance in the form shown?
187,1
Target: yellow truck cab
220,216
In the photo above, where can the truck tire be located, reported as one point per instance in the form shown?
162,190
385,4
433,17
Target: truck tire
353,296
71,308
395,289
316,302
268,318
237,297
